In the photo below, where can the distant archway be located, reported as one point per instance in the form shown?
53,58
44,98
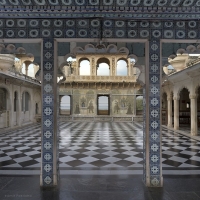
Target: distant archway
139,105
184,108
84,69
122,69
4,108
65,105
103,105
103,67
164,109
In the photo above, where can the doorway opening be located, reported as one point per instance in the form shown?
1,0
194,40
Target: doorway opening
103,105
65,105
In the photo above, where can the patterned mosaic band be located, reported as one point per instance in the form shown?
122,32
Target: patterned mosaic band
124,3
133,9
49,150
91,28
154,83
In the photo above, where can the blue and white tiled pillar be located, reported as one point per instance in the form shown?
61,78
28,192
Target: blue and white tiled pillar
152,127
49,143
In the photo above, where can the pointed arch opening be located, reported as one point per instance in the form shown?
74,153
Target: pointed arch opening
84,69
103,105
184,108
103,67
122,67
65,105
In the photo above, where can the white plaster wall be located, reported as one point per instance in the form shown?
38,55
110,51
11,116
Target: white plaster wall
18,118
37,99
2,120
14,118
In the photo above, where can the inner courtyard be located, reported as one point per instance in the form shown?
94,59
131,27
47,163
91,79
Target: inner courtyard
93,148
99,99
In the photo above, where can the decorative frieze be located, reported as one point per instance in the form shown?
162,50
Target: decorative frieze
37,28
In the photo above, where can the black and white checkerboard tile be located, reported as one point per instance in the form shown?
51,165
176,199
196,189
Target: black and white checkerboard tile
96,145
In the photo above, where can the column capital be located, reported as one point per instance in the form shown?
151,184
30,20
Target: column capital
169,98
176,98
193,96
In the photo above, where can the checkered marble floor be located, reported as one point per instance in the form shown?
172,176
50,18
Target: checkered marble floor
97,146
188,129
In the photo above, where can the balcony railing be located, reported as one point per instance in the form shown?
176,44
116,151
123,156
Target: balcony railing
101,79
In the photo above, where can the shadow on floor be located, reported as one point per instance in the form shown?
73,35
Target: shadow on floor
99,188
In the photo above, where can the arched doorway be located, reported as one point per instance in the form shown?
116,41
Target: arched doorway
103,68
36,108
139,105
65,105
198,109
103,105
84,67
4,108
15,108
184,109
164,109
122,69
25,107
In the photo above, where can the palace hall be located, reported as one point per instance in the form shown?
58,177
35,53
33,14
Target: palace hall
100,99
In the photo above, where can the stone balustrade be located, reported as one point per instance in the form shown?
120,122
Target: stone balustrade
113,79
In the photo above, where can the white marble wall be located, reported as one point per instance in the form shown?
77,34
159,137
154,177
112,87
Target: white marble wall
18,117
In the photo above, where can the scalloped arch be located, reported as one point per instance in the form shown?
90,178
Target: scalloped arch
77,50
123,50
21,50
111,48
29,92
7,89
11,48
181,88
197,87
134,57
69,55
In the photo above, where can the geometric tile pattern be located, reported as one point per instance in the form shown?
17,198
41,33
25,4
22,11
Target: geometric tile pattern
144,133
96,146
123,3
133,9
48,123
154,132
91,28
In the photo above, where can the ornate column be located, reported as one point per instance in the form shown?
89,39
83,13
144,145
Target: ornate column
152,115
176,113
11,114
113,67
49,145
95,103
27,63
193,114
20,107
129,68
93,67
31,107
169,111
